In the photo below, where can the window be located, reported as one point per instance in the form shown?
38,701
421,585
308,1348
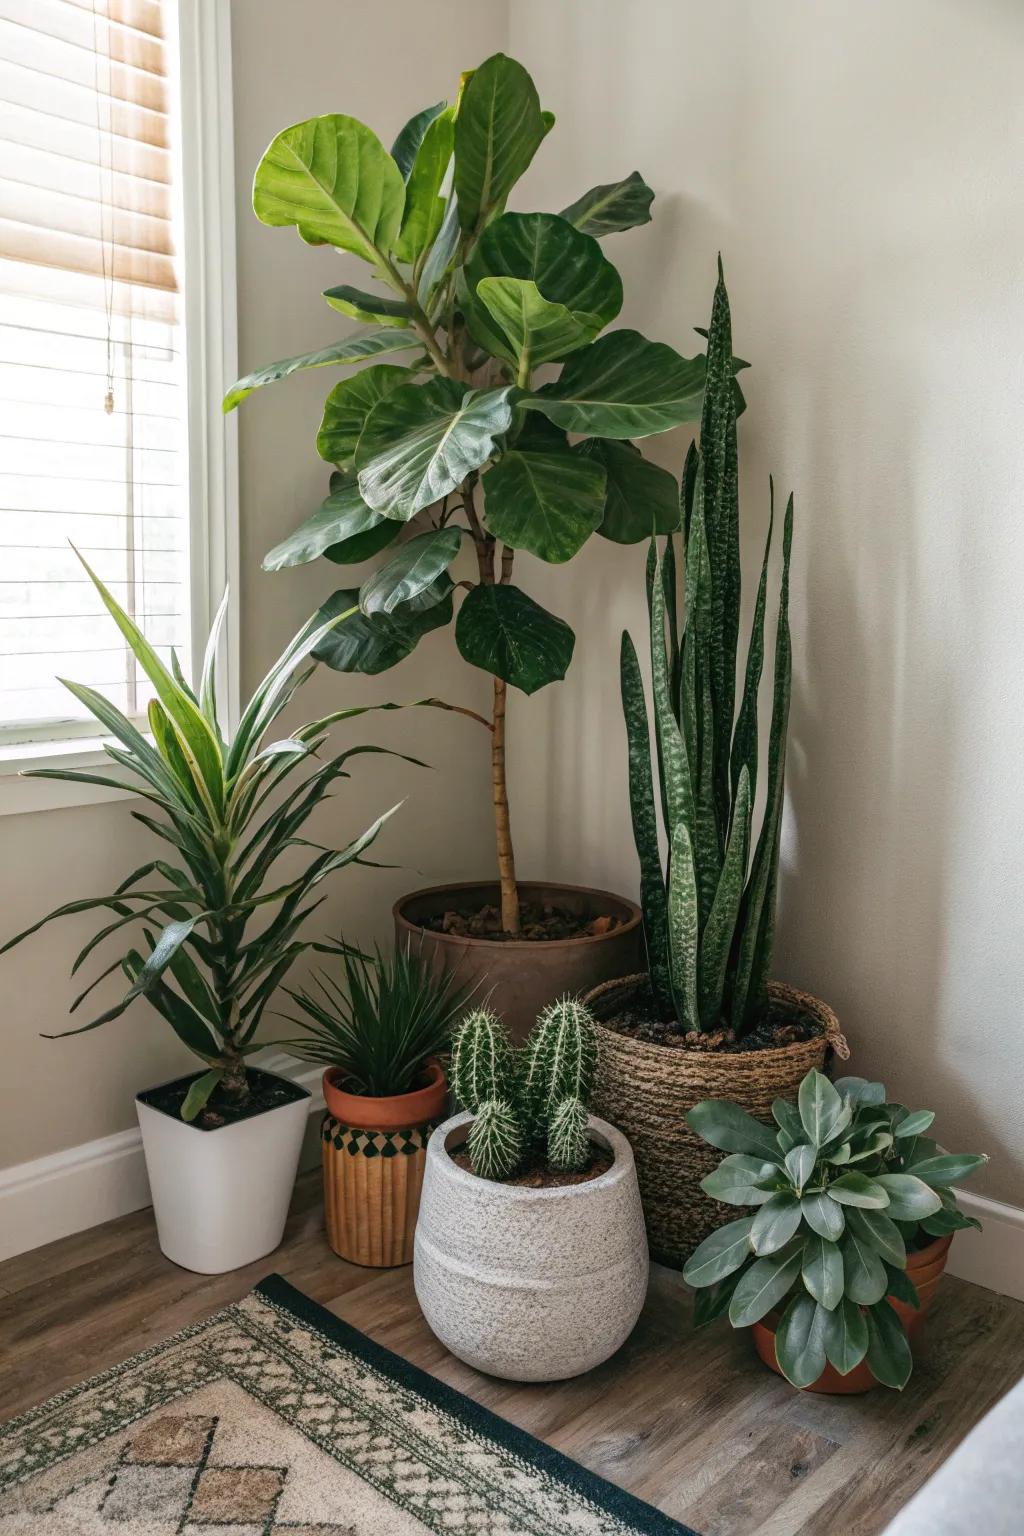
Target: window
115,266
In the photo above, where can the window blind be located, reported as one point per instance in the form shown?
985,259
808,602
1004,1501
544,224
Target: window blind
93,445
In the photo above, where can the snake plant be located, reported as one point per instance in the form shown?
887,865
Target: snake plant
214,927
709,918
844,1185
529,1099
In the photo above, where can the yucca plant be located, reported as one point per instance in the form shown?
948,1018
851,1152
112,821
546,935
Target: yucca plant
211,927
379,1021
531,1100
709,916
844,1186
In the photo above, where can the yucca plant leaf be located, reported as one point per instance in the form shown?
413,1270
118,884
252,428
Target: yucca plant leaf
653,895
683,931
730,1128
822,1271
878,1229
775,1223
720,1254
908,1197
762,1286
208,673
846,1336
181,1016
800,1341
888,1351
198,1095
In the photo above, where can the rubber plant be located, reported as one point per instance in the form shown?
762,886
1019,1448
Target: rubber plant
211,927
844,1185
709,910
461,437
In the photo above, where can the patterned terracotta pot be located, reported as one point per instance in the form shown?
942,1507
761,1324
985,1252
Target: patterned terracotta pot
530,1284
924,1270
374,1152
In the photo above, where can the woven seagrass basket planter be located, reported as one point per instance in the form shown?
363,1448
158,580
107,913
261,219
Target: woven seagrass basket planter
374,1153
646,1090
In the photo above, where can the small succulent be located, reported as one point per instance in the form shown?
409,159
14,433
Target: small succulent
843,1185
524,1099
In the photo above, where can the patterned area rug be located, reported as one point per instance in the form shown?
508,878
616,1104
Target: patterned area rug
274,1418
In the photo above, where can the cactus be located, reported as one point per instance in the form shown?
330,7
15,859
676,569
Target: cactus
561,1054
568,1142
709,918
495,1139
483,1063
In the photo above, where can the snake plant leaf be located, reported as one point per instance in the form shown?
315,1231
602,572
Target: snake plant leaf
536,330
373,307
763,1285
640,498
800,1341
623,385
824,1216
653,895
731,1129
734,1181
864,1277
424,206
888,1352
498,130
415,566
744,741
373,644
775,1224
333,179
823,1270
507,634
878,1229
347,407
611,207
949,1168
696,708
343,516
800,1165
717,938
676,781
683,930
857,1189
908,1197
914,1124
546,503
846,1336
406,147
422,441
820,1107
719,1255
351,349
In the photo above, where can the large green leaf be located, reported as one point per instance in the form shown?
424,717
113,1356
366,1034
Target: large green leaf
535,331
347,407
864,1277
908,1198
614,205
727,1126
719,1255
497,132
373,644
406,147
374,307
823,1215
878,1229
333,179
623,386
506,633
949,1168
413,568
857,1189
820,1107
846,1336
800,1341
735,1180
353,349
640,498
420,442
343,515
547,503
763,1286
888,1351
775,1223
424,208
823,1270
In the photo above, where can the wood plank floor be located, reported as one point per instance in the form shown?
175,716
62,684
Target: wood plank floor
691,1422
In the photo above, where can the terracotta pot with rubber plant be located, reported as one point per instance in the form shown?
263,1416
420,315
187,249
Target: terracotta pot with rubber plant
853,1217
382,1025
464,436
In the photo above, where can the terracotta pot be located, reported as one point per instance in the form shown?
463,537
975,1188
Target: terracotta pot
518,977
924,1270
374,1153
646,1089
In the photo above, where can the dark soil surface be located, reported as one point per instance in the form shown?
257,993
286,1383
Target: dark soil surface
538,922
265,1092
537,1175
637,1017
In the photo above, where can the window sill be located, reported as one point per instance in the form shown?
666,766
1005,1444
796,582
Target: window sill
20,796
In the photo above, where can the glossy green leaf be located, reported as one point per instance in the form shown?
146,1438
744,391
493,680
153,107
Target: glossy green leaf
820,1107
915,1124
787,1118
775,1223
683,928
859,1091
857,1189
422,441
535,330
733,1182
949,1168
546,503
640,498
944,1222
888,1351
333,179
800,1162
371,645
823,1215
497,132
406,146
909,1198
613,206
846,1336
879,1230
198,1095
424,207
762,1287
865,1280
352,349
901,1286
730,1128
623,385
343,515
507,634
347,407
414,567
720,1254
823,1270
653,895
713,1300
800,1341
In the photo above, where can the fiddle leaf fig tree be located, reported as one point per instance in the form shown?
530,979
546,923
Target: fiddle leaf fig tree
449,422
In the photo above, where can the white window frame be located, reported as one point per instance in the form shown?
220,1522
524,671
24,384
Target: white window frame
211,331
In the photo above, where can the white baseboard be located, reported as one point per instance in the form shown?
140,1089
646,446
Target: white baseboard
54,1196
993,1257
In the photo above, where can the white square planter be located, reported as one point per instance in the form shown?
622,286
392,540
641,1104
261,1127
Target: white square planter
221,1196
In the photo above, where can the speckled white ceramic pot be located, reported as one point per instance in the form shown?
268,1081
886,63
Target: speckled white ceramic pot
530,1284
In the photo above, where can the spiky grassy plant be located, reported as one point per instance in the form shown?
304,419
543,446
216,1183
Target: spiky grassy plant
379,1021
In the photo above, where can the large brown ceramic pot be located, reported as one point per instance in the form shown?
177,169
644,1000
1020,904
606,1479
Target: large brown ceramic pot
518,977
